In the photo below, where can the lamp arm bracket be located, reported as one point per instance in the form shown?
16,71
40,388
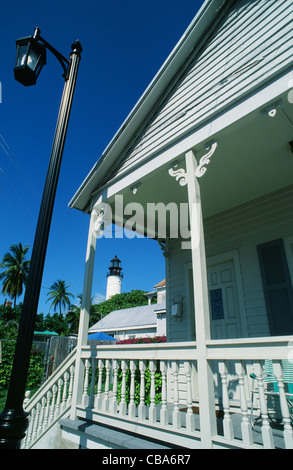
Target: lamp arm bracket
63,61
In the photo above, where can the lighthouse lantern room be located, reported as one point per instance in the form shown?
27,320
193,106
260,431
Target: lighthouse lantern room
114,278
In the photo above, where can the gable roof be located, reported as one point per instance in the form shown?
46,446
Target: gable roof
143,316
200,24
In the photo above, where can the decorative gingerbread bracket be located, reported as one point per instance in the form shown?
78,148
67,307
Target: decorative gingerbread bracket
181,175
205,160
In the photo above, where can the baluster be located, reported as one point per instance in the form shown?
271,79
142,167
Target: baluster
176,412
227,422
288,432
36,421
86,384
164,410
266,430
31,427
27,398
58,401
92,388
25,439
42,415
152,409
141,406
132,407
98,401
114,405
52,410
190,418
122,407
46,420
65,388
245,424
106,403
70,390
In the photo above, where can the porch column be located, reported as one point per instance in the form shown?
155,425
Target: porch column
84,315
201,306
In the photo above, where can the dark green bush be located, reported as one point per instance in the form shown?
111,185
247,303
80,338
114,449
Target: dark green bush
36,367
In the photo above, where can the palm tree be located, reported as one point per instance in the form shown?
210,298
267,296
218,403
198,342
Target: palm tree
16,271
59,295
72,318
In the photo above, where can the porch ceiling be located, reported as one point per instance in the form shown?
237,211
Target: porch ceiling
253,158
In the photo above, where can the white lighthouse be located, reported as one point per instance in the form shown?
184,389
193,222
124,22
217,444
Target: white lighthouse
114,275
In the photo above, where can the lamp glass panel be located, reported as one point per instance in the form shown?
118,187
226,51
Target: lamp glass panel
21,55
33,59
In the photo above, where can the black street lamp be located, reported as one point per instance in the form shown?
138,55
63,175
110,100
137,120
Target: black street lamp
31,56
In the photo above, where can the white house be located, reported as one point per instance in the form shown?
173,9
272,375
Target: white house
209,143
136,322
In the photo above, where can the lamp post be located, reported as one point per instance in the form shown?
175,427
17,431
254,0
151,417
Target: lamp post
31,56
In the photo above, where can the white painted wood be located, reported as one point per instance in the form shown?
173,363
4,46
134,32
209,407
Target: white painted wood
122,406
176,413
141,406
242,228
85,400
152,408
288,431
99,398
227,422
106,401
164,410
245,424
50,402
222,276
201,305
114,403
132,407
84,313
91,403
190,418
251,46
266,430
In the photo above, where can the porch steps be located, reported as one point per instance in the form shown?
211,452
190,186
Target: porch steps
86,434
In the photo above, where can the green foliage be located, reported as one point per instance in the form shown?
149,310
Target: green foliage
59,295
158,385
55,322
16,267
36,367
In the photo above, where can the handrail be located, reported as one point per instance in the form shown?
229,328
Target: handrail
50,402
30,403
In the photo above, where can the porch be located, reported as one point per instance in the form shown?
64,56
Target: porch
155,395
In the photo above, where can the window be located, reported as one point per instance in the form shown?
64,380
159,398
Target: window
277,287
217,305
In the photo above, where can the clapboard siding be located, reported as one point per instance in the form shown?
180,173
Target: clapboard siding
251,43
242,229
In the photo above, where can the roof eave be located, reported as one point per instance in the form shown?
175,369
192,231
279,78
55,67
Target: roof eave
204,17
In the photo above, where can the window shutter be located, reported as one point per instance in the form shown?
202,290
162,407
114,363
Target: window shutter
277,287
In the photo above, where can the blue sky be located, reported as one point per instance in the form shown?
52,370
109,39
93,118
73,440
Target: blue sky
124,45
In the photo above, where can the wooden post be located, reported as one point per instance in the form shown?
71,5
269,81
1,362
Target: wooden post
84,316
201,306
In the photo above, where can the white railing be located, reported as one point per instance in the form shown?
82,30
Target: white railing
249,368
51,402
152,390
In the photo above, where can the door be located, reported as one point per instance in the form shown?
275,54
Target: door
224,302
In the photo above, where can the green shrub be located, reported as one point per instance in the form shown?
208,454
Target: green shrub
35,372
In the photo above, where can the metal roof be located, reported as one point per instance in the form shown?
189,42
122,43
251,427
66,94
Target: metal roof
144,315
